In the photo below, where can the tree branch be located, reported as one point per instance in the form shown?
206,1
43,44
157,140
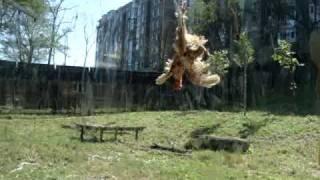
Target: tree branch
25,10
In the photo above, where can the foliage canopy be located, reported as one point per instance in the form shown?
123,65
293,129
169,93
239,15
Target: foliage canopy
219,62
285,56
38,6
244,52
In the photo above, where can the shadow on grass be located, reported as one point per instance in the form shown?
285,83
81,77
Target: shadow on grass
204,130
94,139
251,127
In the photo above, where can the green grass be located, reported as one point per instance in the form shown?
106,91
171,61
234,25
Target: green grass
283,147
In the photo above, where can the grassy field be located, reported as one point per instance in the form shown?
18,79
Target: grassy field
37,147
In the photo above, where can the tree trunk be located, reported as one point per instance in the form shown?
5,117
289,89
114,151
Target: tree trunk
53,29
31,51
245,89
317,89
318,83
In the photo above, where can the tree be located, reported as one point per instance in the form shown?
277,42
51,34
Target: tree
56,34
218,20
315,57
25,40
285,57
36,6
31,8
9,9
202,15
219,62
244,55
65,49
86,87
56,21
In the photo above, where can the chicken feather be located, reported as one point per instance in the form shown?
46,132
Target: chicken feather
188,58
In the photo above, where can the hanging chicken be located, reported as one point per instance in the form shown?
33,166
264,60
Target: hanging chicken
188,58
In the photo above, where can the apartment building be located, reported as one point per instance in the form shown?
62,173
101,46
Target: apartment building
137,36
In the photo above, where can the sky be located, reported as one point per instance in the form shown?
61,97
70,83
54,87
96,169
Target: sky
88,12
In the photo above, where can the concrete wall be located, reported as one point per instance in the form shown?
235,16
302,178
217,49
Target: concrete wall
136,37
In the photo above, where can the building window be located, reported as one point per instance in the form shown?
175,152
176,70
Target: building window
293,35
283,35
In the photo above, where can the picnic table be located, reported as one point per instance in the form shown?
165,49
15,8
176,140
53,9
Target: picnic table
107,127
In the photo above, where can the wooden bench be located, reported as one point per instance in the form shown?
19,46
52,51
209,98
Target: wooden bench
102,128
